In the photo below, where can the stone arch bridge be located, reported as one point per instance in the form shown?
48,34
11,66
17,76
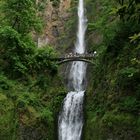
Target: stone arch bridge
74,57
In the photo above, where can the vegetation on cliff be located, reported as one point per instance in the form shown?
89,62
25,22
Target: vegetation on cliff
31,92
113,99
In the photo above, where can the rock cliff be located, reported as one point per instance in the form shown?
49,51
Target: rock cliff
54,16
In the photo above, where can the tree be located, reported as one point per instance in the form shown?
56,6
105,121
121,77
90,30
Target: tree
129,10
21,15
19,20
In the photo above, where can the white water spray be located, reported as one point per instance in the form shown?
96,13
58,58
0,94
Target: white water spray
70,121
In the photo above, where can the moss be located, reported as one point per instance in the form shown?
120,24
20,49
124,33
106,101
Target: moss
111,125
7,120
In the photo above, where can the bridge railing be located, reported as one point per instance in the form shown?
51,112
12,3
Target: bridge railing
75,55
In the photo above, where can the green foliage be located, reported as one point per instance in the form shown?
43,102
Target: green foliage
43,58
128,10
122,120
15,52
130,104
41,5
47,115
112,104
18,54
21,15
27,75
5,83
55,3
32,108
135,38
129,72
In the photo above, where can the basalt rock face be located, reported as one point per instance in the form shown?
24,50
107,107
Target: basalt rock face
55,15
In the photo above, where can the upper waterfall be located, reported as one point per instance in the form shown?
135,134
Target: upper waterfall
82,25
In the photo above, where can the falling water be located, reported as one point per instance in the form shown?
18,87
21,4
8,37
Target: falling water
70,121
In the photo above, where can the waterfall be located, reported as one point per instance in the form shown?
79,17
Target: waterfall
70,121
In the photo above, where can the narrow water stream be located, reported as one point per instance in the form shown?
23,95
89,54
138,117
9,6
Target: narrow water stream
70,122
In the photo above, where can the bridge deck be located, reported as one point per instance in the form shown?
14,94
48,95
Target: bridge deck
74,57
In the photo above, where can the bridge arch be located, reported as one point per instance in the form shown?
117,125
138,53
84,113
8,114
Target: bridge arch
70,60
